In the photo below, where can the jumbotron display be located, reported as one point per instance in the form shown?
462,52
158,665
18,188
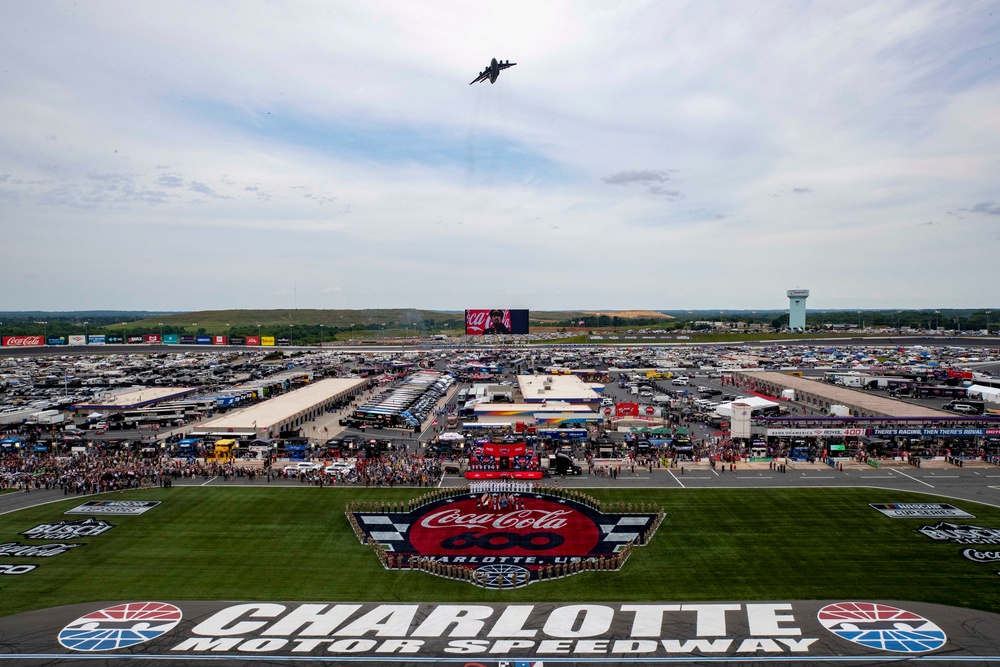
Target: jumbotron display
495,321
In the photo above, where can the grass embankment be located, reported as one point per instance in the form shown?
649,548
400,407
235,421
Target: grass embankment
295,544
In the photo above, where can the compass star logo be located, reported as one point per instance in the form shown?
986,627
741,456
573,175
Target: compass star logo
882,627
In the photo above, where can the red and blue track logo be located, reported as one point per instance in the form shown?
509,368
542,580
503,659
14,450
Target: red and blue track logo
120,626
882,627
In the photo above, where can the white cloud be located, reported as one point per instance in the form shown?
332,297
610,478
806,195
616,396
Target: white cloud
752,147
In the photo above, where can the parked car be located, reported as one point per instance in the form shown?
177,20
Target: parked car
300,467
339,467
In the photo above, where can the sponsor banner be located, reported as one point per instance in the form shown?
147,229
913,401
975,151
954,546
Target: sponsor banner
795,633
626,409
816,432
171,339
152,339
203,339
17,550
506,540
97,340
253,340
14,570
495,321
219,340
890,432
119,507
283,341
57,340
267,341
78,340
961,533
23,341
187,339
921,510
68,530
237,340
115,340
135,339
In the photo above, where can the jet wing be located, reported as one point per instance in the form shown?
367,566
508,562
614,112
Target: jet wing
505,65
482,76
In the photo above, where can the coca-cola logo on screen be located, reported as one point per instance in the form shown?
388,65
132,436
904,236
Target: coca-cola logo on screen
23,341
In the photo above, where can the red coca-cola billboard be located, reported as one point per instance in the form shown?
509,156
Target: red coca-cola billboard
253,340
152,339
626,409
495,321
23,341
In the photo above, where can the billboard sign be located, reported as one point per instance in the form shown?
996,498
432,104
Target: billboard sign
626,409
253,340
219,340
267,341
135,340
115,340
203,340
77,340
171,339
97,340
237,340
283,341
495,321
187,339
23,341
152,339
57,340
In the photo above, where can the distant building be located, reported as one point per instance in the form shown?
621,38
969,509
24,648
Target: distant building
797,308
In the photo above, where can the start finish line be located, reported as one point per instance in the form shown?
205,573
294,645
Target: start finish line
795,632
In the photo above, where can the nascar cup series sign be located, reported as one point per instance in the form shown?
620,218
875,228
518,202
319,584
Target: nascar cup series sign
796,633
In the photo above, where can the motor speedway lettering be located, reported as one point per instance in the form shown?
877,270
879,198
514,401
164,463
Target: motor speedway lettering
794,632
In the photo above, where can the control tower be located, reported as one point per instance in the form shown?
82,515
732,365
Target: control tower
797,308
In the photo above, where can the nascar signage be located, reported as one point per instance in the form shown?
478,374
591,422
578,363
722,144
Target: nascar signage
816,432
794,633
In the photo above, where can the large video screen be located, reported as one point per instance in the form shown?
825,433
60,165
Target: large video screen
495,321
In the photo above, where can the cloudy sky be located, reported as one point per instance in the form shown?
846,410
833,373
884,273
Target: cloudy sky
661,155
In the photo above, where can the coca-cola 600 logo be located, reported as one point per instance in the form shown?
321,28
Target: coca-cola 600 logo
515,537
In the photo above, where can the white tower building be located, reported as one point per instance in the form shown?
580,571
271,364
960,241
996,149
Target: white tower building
797,308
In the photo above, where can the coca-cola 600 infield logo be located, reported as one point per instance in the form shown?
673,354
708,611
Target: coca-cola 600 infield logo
514,538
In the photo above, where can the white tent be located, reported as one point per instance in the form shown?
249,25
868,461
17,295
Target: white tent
982,392
726,409
451,435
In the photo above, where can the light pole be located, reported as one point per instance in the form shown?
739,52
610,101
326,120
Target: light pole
86,333
227,332
45,331
937,320
860,322
291,336
161,332
322,335
988,322
898,313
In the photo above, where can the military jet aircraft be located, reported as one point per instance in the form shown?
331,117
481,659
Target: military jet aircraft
492,71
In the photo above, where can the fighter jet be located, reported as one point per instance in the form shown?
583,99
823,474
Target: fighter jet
492,71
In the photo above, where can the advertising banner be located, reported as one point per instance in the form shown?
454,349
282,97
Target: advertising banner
283,341
23,341
495,321
219,340
187,339
626,409
267,341
97,340
237,340
57,340
933,432
135,340
171,339
816,432
152,339
115,340
78,340
253,340
203,339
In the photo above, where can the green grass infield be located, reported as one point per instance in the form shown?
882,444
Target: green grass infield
292,544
